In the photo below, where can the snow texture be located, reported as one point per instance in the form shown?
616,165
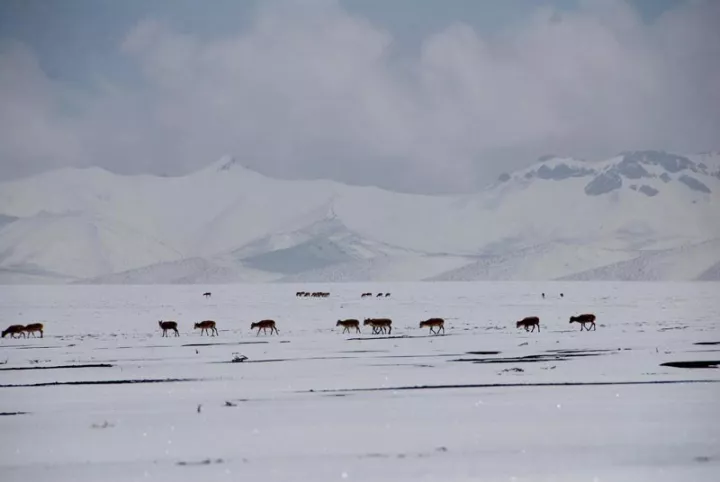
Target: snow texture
103,396
559,218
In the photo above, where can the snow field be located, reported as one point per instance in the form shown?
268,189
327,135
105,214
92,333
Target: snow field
297,408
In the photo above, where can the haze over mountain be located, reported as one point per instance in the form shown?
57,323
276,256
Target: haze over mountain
644,215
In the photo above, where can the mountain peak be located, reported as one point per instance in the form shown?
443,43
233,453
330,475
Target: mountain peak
227,162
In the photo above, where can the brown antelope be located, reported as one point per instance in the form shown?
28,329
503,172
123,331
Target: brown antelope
264,325
13,330
32,328
433,323
528,322
379,325
207,326
169,325
320,294
348,324
585,318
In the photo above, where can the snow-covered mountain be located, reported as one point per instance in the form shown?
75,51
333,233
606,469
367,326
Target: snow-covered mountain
643,215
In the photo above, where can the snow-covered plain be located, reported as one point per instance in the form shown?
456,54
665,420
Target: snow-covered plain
313,404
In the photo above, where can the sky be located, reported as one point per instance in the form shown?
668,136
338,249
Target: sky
411,95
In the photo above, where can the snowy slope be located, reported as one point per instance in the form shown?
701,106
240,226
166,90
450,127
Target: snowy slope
558,218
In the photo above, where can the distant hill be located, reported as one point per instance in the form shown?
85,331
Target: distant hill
644,215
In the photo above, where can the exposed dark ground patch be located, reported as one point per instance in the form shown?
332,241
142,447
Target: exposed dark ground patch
365,351
506,385
107,382
276,360
439,355
10,414
392,337
558,356
693,364
571,351
202,462
313,358
31,347
483,353
59,367
707,343
227,343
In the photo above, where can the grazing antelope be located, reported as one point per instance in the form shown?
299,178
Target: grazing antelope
433,323
207,326
365,295
529,321
387,294
264,325
32,328
348,324
585,318
379,325
169,325
13,330
207,295
378,295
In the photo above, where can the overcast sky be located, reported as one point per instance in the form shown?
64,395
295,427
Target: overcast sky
414,95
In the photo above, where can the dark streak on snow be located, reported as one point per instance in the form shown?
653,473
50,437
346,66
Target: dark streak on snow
693,364
559,356
58,367
508,385
107,382
232,343
312,358
391,337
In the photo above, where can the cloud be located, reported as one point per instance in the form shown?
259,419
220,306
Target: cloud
315,91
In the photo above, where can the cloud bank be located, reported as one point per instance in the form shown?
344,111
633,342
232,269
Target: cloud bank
314,91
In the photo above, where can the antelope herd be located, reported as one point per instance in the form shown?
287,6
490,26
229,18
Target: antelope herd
378,325
23,330
314,294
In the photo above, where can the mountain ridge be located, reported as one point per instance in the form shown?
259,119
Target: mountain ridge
230,223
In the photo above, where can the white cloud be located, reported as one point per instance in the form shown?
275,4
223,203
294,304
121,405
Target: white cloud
314,91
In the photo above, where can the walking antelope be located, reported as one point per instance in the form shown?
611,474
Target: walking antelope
379,325
264,325
207,326
434,323
348,324
169,325
33,327
13,330
207,294
585,318
528,322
